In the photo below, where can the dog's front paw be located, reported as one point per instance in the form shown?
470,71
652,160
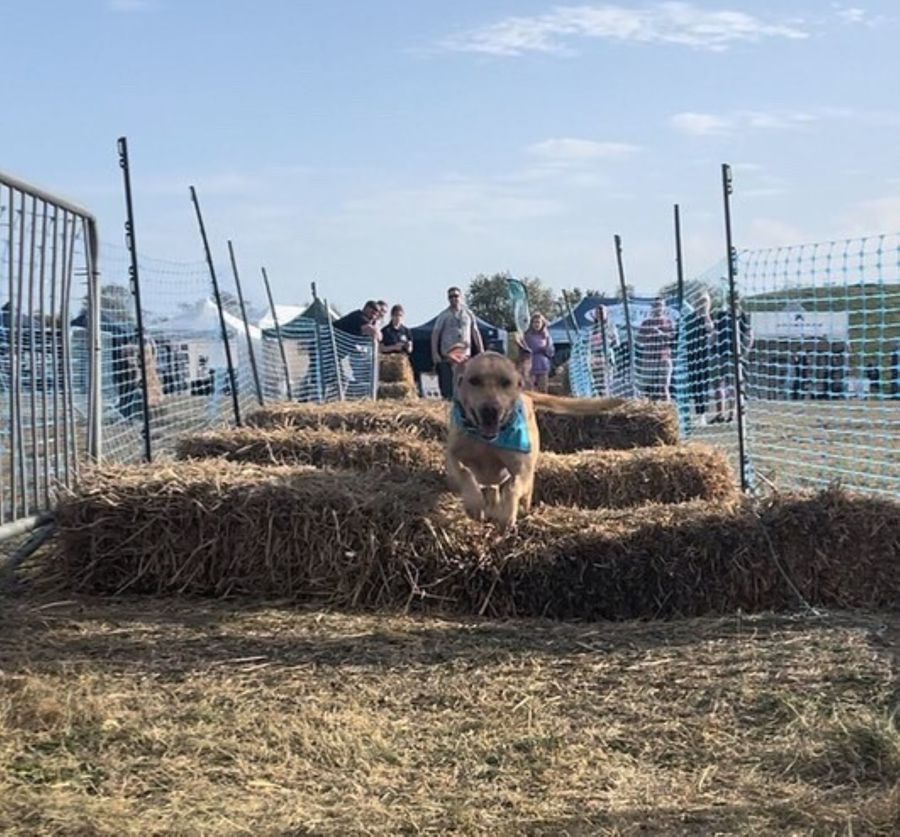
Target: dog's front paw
503,518
474,507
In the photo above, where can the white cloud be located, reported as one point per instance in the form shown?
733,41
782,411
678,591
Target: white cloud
873,217
678,23
773,232
763,192
856,16
851,14
741,121
702,124
569,150
725,124
466,203
130,5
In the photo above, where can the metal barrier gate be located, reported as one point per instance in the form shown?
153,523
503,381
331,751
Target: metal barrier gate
49,357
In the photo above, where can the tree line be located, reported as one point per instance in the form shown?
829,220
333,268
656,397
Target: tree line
488,298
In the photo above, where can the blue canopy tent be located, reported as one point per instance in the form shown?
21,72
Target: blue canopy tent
638,306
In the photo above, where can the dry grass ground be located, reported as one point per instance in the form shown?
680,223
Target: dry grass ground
189,717
809,444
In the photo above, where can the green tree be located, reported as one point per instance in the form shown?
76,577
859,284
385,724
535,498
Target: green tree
576,294
487,296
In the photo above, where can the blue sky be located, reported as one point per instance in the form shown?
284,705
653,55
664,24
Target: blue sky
391,148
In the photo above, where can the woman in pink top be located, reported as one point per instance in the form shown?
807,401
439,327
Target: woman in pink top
539,345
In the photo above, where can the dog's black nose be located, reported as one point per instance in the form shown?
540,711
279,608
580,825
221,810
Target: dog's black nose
489,414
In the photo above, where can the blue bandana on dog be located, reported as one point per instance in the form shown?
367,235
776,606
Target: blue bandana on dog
513,435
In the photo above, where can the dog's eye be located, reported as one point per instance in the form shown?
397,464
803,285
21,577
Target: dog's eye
506,383
475,381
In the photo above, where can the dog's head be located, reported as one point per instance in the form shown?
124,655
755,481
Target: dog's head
488,387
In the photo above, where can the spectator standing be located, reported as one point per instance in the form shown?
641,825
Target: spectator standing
540,348
454,339
723,360
653,342
395,336
604,340
699,336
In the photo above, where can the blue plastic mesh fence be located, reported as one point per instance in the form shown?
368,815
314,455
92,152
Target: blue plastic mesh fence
703,371
823,373
323,363
601,361
819,327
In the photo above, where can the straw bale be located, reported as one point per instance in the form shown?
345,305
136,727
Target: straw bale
401,391
319,447
395,368
825,550
634,424
334,539
592,479
623,478
423,418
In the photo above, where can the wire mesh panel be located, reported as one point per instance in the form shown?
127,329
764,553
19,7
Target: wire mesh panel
822,374
47,270
189,386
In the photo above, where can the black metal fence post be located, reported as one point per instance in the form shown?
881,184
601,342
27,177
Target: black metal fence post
131,243
625,305
287,371
736,347
679,262
253,368
215,284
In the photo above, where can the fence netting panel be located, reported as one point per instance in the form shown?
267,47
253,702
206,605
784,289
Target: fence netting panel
823,392
601,362
188,383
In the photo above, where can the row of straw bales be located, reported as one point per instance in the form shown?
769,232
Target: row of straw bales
591,479
331,538
632,425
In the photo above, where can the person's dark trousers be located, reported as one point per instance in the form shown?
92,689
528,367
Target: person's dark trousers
445,379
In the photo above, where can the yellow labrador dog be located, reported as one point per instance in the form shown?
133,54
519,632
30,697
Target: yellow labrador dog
494,443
